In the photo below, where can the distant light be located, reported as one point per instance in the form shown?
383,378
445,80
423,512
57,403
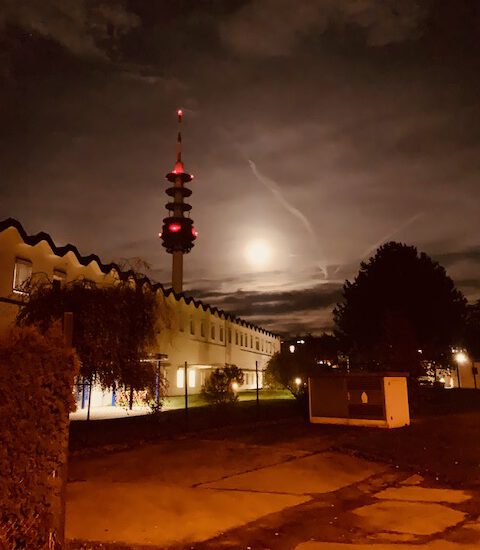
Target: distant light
292,349
298,381
235,386
174,227
461,358
420,351
180,112
194,232
300,341
159,235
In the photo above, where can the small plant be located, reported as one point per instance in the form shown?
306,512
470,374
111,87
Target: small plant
222,385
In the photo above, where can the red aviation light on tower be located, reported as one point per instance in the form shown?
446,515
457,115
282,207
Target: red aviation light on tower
194,232
174,227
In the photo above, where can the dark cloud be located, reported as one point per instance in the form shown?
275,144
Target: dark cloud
470,255
294,308
276,27
80,26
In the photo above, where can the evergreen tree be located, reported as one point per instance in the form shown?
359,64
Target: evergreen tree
400,311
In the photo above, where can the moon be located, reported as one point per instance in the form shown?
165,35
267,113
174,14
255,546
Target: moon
258,253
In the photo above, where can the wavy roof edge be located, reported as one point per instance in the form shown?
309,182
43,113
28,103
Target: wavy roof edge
33,240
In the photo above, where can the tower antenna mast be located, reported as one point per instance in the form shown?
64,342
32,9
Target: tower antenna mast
178,233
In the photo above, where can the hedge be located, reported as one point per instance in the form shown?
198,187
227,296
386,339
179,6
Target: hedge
36,379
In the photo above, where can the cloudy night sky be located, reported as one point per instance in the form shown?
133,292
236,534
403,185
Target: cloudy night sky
319,128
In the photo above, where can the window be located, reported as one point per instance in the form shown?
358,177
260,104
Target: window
212,332
257,344
21,275
180,378
241,338
229,335
192,327
251,341
221,334
181,325
191,378
202,329
236,338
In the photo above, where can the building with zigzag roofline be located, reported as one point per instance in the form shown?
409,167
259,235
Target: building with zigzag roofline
204,336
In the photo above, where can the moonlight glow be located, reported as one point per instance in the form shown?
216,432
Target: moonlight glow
258,254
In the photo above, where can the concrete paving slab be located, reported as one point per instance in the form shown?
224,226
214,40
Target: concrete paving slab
183,462
392,537
407,517
433,545
320,473
416,479
424,494
161,515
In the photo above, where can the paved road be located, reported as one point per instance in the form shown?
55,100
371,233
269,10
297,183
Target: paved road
214,493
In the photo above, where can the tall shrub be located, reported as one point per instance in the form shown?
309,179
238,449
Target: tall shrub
36,378
219,389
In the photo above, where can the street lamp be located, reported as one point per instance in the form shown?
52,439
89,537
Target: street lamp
298,381
461,358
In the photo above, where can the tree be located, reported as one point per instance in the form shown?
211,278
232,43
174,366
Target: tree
219,389
283,369
114,328
401,310
472,330
312,355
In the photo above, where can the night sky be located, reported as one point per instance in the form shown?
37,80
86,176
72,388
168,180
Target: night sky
320,128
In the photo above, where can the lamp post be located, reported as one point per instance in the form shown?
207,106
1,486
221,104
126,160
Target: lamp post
185,382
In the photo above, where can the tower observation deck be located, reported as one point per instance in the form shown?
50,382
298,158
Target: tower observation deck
178,232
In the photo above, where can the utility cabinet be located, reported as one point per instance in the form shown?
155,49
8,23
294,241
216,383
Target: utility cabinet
379,400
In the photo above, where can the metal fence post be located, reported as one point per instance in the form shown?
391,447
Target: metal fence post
257,390
185,382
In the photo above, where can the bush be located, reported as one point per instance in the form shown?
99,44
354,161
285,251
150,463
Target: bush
220,387
36,379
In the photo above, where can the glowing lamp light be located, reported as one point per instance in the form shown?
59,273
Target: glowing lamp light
179,112
235,386
298,381
159,235
174,227
461,358
292,349
194,232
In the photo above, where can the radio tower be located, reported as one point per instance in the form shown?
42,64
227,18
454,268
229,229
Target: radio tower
178,232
